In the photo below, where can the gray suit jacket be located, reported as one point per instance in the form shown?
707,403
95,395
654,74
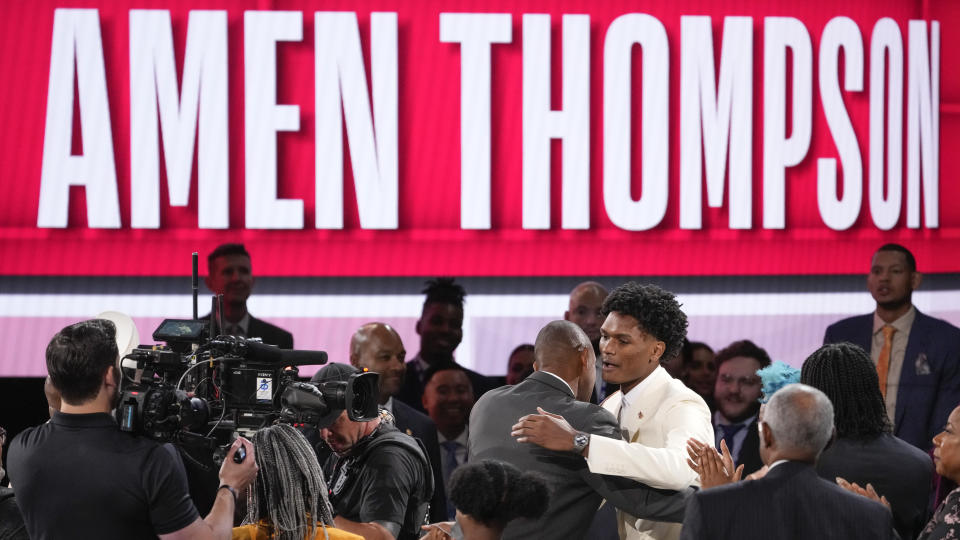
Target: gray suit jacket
575,493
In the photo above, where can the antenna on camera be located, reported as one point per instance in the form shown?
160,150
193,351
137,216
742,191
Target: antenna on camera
216,316
196,283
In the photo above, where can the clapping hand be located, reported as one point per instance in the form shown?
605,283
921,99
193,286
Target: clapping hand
714,469
867,492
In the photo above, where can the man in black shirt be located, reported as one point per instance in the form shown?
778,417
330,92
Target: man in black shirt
380,479
79,476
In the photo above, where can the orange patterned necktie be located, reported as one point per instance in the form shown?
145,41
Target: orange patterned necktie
883,362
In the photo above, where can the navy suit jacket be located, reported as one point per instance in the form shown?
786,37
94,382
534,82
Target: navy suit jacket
416,424
575,493
790,503
897,469
270,334
930,380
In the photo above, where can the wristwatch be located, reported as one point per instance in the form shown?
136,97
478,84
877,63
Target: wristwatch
580,441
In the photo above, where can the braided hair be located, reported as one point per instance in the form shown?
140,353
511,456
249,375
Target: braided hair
494,492
289,490
444,291
845,373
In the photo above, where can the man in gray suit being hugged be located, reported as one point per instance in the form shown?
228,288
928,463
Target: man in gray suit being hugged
562,383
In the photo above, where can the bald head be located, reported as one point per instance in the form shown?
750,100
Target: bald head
586,300
563,349
377,347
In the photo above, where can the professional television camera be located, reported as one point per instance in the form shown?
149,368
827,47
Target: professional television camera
201,392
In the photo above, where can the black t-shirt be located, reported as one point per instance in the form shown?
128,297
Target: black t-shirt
386,482
79,476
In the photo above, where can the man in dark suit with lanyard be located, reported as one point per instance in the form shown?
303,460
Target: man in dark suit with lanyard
230,274
562,384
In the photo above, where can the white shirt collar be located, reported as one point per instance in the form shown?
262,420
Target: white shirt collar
902,324
462,438
634,394
775,463
559,378
388,405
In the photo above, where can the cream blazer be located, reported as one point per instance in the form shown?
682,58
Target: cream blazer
657,425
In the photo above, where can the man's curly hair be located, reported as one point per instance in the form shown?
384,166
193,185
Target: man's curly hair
657,312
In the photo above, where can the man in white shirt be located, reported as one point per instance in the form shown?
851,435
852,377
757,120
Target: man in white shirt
656,412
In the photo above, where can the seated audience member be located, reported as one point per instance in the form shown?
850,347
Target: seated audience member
380,478
11,521
79,476
377,347
448,399
520,364
791,501
488,495
441,330
737,393
288,499
865,450
699,370
230,274
945,524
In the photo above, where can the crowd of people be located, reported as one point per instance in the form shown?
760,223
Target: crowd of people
611,424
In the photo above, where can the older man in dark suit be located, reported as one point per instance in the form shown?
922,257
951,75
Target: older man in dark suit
562,383
791,501
917,357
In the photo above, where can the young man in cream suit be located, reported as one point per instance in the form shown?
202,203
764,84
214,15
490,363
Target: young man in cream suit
657,413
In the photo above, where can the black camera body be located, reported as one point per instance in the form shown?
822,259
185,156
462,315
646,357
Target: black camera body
203,392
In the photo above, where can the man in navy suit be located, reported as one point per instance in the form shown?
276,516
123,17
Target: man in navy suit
791,501
917,357
230,274
378,348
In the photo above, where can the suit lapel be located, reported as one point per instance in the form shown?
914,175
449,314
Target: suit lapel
640,410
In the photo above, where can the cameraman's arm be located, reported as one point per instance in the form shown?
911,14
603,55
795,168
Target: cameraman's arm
219,522
370,531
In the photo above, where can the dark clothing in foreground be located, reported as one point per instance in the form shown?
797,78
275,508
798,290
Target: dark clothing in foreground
11,521
575,493
386,478
898,470
790,503
79,476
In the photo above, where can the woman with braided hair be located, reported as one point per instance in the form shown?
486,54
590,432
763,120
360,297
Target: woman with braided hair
288,499
488,494
865,451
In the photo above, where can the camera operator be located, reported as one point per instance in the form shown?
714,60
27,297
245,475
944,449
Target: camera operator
79,476
380,479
